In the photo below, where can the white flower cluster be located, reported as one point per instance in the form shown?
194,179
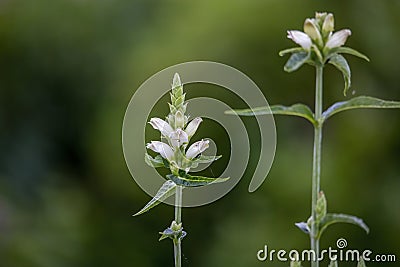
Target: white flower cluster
318,32
177,131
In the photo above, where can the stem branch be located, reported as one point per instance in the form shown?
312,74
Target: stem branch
316,174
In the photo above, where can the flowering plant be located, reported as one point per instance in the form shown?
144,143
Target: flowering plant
319,46
172,153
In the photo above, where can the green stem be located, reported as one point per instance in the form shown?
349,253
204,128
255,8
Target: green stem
178,220
316,174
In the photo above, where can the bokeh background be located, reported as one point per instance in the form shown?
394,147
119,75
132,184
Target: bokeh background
68,71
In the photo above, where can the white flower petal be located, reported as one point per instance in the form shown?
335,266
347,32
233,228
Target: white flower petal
162,148
162,126
338,38
197,148
192,126
300,38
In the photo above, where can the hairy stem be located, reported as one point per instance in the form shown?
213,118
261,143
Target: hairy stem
316,174
178,220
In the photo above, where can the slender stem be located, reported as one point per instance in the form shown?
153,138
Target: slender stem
178,204
178,220
316,174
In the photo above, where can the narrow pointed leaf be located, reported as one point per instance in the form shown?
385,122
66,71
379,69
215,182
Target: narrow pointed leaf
194,181
165,191
332,218
341,64
333,264
291,51
350,51
296,60
299,110
359,102
206,159
154,162
167,233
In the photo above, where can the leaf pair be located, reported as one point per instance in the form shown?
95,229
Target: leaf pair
299,57
169,187
305,112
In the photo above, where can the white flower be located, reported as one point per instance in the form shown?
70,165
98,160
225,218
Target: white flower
197,148
338,38
192,126
178,138
300,38
162,126
179,119
162,148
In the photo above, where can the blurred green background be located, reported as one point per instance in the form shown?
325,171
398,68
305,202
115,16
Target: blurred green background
68,71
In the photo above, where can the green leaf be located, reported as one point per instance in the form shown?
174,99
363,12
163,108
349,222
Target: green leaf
332,218
341,64
194,163
291,51
165,191
193,181
206,159
299,110
350,51
154,162
296,60
359,102
333,264
361,263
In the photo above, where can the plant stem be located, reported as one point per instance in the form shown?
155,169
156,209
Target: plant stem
316,174
178,220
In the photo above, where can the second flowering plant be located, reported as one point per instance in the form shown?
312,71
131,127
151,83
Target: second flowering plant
319,46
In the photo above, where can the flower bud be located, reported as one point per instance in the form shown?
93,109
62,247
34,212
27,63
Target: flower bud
321,206
176,82
320,16
162,126
179,120
163,149
300,38
312,30
175,226
329,24
338,39
197,148
178,138
192,126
